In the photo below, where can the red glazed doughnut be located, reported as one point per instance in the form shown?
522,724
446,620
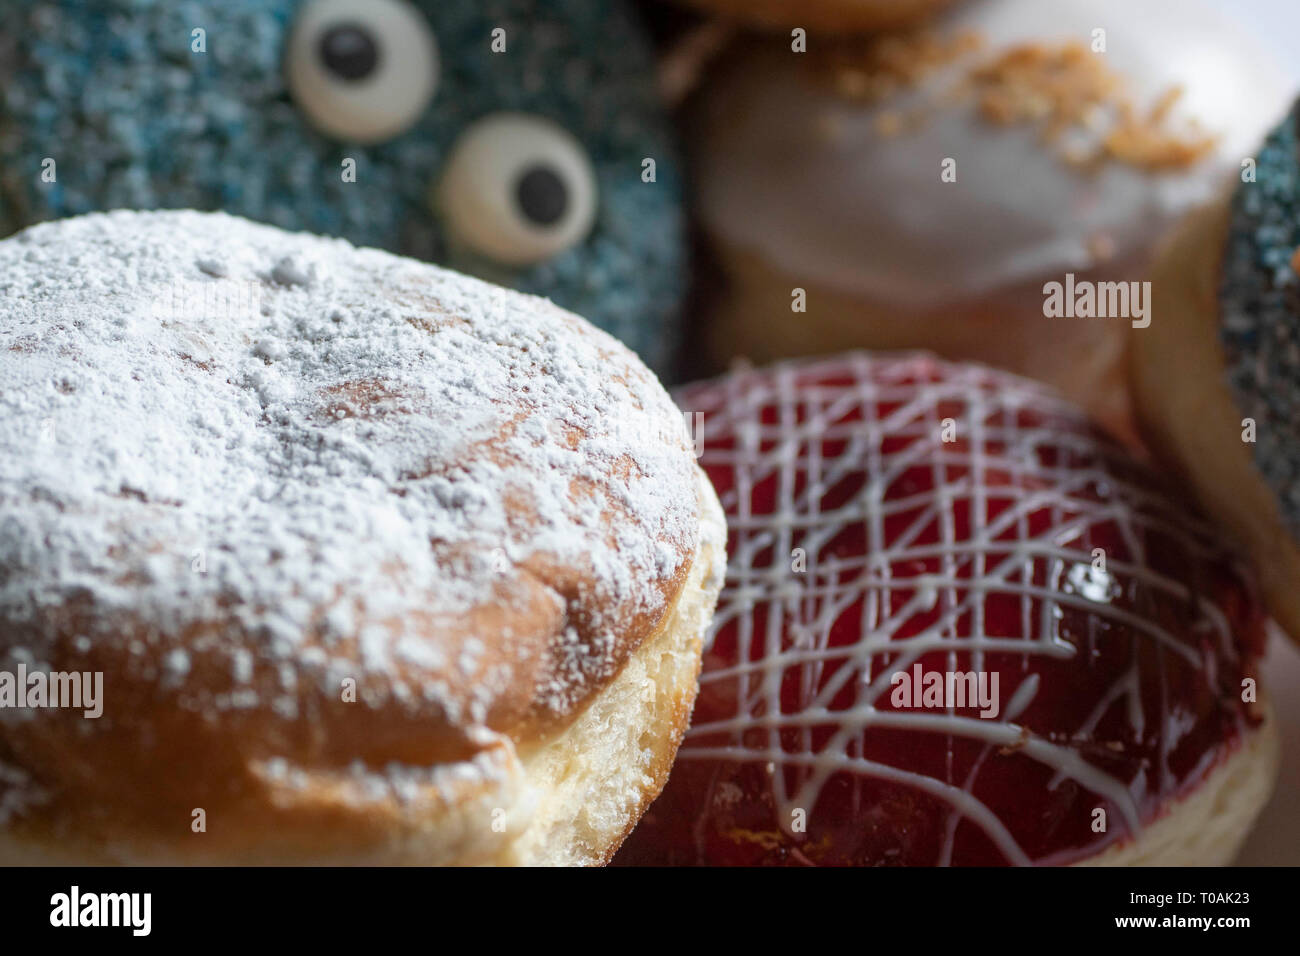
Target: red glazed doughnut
890,514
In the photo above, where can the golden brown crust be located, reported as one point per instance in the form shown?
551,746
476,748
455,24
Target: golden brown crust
161,751
131,802
568,797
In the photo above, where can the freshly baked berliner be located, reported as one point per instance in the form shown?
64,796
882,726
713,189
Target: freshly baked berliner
828,17
1216,377
378,563
959,627
922,190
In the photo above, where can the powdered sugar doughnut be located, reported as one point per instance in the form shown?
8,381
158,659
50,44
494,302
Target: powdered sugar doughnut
922,190
1107,632
378,563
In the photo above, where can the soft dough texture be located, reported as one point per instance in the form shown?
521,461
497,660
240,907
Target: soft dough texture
580,822
363,548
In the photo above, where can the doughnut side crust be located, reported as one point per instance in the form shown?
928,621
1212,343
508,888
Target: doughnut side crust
599,776
569,799
1208,827
345,534
1189,414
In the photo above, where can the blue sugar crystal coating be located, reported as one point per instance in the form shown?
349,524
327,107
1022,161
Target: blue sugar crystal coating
1260,312
111,90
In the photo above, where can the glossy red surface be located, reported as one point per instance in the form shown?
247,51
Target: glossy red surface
1027,547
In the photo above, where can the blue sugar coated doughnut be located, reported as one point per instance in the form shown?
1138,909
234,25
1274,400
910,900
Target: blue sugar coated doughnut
1259,299
112,91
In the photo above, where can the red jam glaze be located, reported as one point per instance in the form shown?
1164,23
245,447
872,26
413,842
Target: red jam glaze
1138,650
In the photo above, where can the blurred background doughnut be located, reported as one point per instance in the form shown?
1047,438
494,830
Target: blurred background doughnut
1217,381
350,117
921,189
1160,358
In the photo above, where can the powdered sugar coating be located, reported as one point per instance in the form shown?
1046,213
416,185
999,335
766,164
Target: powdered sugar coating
344,457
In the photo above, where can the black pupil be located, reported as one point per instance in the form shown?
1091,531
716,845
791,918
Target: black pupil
542,195
349,51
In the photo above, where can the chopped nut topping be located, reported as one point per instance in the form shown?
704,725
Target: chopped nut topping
875,69
1081,106
1069,89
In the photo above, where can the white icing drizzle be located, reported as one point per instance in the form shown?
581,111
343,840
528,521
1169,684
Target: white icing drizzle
1092,483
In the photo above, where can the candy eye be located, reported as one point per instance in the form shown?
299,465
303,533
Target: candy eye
362,70
517,188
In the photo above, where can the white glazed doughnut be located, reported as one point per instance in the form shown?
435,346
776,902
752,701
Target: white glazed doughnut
824,171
